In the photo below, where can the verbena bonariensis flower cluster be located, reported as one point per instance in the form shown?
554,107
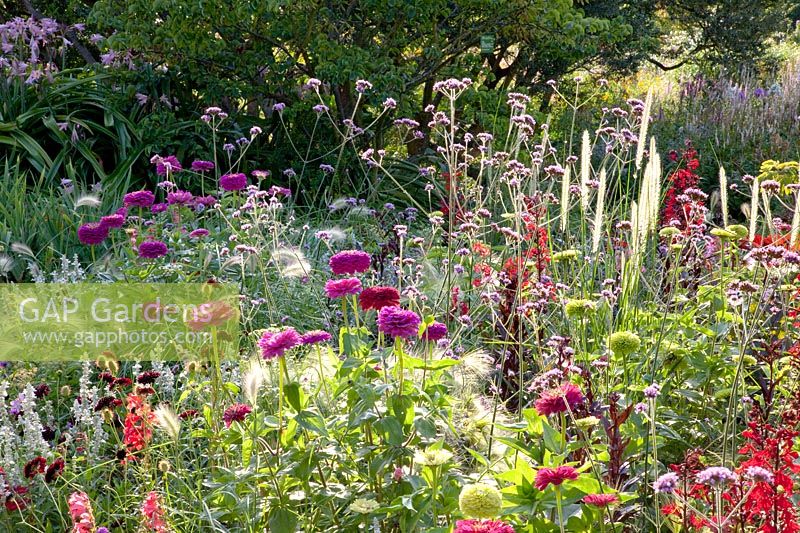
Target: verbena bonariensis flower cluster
560,335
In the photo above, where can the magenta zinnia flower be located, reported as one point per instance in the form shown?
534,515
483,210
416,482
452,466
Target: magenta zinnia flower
179,198
554,476
202,166
139,199
378,297
159,208
274,344
235,413
482,526
434,332
199,232
233,182
92,233
315,337
339,288
398,322
600,500
349,262
567,396
116,220
152,249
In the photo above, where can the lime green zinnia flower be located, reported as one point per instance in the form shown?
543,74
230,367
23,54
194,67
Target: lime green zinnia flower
480,501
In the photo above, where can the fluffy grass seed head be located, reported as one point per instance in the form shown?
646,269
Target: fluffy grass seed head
168,421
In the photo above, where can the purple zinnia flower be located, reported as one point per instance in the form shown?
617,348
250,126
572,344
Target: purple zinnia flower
92,233
179,198
338,288
274,344
202,166
434,332
170,162
159,208
152,249
205,201
350,262
139,199
199,232
233,182
716,476
315,337
115,220
666,484
398,322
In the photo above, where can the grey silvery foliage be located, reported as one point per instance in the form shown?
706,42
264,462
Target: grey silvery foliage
166,379
87,421
34,443
70,271
9,440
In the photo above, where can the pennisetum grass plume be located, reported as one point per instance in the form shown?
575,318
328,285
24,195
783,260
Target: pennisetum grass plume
648,104
754,210
586,163
565,199
723,195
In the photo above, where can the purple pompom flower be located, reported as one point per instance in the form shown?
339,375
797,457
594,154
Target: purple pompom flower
170,162
434,332
350,262
666,484
202,166
398,322
152,249
716,476
139,199
92,233
233,182
115,220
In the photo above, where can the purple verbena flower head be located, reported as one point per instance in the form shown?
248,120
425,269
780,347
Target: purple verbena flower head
716,476
666,484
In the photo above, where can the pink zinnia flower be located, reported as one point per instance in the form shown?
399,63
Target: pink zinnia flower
600,500
315,337
338,288
179,198
554,476
434,332
235,413
378,297
349,262
139,199
152,249
80,510
482,526
116,220
567,396
153,513
233,182
398,322
92,233
274,344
